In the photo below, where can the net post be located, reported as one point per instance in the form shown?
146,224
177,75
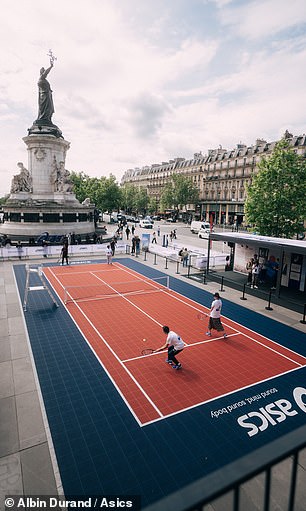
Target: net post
168,282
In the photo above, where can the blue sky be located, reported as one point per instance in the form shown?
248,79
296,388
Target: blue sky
143,81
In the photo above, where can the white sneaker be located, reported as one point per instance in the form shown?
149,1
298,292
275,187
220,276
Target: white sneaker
208,333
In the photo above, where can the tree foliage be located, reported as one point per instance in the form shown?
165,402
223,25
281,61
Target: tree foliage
142,201
180,191
3,199
103,192
128,198
276,199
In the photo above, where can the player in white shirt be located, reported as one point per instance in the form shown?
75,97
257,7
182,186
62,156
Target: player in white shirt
109,254
175,345
215,316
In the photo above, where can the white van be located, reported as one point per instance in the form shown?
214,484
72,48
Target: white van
147,224
197,225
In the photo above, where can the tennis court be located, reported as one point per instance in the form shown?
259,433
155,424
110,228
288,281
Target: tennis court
116,308
123,422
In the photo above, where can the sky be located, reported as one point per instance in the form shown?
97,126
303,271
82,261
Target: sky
138,82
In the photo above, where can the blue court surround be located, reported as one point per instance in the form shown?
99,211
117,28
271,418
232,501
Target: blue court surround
101,449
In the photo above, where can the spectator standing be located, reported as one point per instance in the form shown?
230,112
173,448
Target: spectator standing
137,245
113,246
64,252
255,273
227,263
249,266
184,255
109,254
127,232
133,245
19,249
154,240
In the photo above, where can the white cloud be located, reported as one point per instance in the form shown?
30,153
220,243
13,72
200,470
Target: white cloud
127,97
263,18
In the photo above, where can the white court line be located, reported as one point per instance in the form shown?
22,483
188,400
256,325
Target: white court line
121,267
187,346
83,272
134,304
219,397
239,331
115,355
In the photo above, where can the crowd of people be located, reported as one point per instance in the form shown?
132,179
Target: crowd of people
262,272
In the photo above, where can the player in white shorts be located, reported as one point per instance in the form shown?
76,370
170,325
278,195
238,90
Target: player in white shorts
175,345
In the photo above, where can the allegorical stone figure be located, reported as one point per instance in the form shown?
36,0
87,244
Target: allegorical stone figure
45,100
22,182
60,177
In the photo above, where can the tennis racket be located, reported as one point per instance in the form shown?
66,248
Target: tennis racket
147,351
202,315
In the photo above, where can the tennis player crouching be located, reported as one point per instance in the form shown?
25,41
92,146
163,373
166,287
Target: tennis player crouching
175,345
215,316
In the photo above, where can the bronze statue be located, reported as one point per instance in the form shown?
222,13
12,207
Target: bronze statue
45,100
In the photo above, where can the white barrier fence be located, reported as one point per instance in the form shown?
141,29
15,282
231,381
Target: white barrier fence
198,258
31,252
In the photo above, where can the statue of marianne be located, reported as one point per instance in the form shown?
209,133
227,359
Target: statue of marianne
45,100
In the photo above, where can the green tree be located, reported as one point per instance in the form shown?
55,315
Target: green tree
80,183
153,205
3,199
180,191
141,201
111,197
276,199
104,192
128,198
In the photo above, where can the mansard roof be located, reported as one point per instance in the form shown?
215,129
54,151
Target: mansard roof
261,146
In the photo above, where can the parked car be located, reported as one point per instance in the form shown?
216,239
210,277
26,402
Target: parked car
146,224
171,220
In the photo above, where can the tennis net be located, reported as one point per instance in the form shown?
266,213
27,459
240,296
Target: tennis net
104,290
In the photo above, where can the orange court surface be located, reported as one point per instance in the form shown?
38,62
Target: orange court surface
120,312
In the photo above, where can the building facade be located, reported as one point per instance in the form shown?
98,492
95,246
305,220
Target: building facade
221,177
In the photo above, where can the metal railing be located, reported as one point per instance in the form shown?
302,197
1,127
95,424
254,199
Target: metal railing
229,481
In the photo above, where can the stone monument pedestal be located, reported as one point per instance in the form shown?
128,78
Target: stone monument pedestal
48,204
42,197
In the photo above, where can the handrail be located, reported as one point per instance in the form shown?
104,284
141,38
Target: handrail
220,482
